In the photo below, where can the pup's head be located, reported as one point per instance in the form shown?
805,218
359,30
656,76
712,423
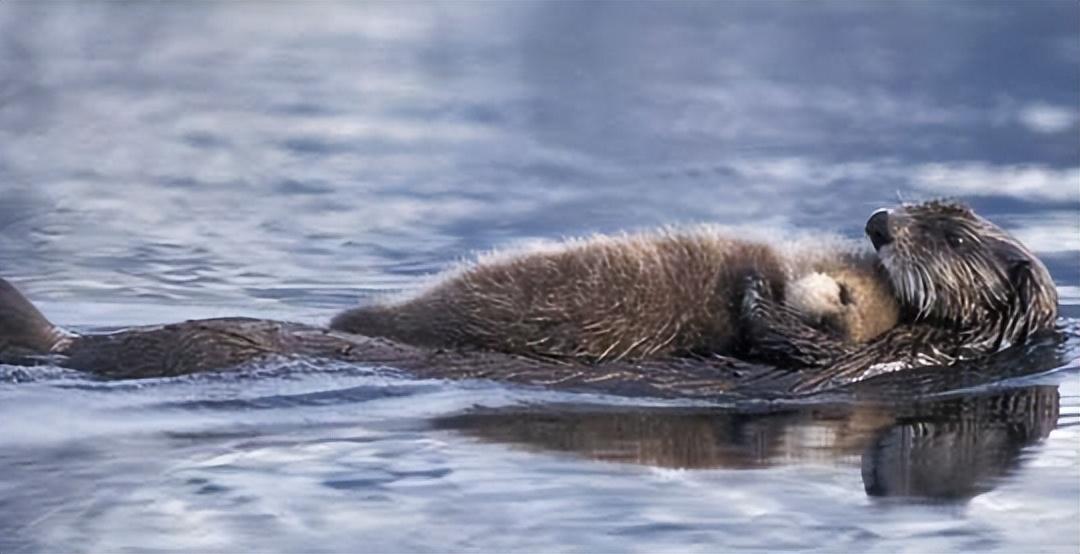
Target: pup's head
851,303
952,267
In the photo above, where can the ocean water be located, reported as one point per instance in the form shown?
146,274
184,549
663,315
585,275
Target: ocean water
163,162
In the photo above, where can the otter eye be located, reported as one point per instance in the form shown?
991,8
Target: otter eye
955,240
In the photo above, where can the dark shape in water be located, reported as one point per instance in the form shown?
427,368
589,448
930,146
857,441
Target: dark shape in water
946,448
957,447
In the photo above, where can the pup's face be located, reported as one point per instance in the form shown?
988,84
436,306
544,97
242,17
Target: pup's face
950,265
844,303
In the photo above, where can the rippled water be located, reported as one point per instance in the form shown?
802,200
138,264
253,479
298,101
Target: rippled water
159,162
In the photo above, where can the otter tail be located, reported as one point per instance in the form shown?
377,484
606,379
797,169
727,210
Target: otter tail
23,329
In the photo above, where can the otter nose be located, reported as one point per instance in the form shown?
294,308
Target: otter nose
877,228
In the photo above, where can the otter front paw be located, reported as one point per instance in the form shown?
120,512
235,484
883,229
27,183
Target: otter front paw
755,298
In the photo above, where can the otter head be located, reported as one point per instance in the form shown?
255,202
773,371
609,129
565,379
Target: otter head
951,267
848,302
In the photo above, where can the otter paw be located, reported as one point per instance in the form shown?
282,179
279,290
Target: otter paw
755,294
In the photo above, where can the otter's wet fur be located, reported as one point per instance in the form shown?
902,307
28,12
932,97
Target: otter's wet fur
985,293
635,296
952,267
967,288
223,344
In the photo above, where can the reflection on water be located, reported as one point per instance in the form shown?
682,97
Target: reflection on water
166,161
943,448
955,448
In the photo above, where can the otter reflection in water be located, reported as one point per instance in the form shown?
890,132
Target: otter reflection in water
944,448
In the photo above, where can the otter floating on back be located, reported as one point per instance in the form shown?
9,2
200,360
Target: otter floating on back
966,289
647,295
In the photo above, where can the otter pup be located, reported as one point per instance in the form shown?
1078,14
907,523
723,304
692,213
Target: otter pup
639,296
850,301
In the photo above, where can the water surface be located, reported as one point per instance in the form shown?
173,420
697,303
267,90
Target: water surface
160,162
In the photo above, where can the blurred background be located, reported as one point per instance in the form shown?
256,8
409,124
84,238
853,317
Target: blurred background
302,157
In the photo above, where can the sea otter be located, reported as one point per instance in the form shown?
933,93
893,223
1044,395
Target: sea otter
954,268
840,293
641,296
966,288
28,338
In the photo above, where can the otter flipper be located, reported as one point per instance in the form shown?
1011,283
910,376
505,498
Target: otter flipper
24,331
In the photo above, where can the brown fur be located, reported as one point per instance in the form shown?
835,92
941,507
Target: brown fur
967,288
633,296
23,329
863,307
952,267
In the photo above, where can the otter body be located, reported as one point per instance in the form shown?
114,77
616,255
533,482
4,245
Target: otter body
966,289
641,296
28,338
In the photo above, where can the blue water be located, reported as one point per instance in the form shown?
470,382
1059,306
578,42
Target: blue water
161,162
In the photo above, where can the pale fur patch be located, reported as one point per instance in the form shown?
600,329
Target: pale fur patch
814,294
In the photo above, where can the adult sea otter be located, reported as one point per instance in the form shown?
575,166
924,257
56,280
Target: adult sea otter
966,289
